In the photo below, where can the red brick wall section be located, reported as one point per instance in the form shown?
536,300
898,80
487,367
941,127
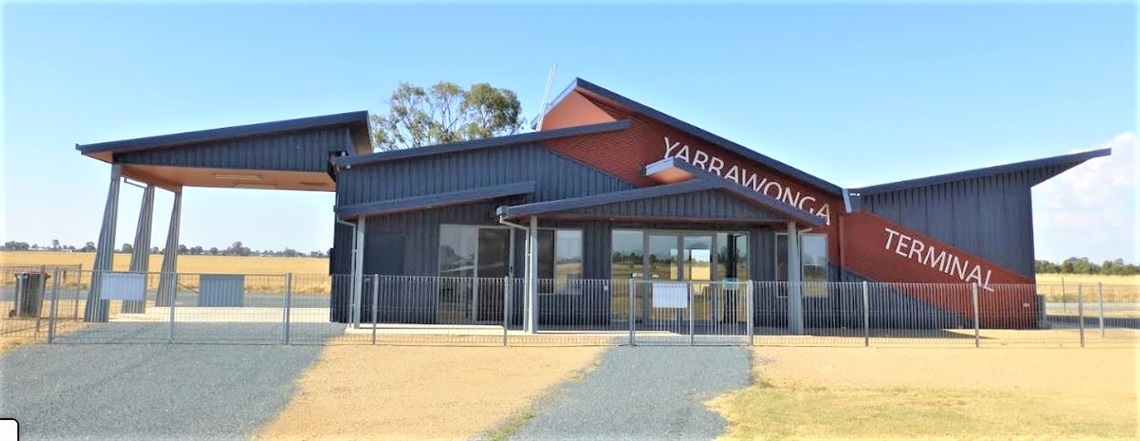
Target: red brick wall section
883,251
627,152
574,110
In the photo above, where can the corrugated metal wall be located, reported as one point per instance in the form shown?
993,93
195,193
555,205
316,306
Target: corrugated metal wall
707,204
301,151
558,176
991,216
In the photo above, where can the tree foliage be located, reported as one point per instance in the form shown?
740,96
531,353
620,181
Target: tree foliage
1082,265
445,113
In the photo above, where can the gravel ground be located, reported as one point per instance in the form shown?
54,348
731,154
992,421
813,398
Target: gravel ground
643,393
149,392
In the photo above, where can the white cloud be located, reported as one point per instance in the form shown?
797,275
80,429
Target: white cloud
1090,210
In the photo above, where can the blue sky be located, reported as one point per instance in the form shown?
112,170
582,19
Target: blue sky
857,94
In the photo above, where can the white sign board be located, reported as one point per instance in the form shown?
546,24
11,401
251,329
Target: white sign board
123,286
670,295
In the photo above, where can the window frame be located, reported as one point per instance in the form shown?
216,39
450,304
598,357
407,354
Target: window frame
562,286
782,293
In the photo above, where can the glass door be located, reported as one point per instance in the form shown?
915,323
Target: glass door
472,263
662,265
492,265
698,271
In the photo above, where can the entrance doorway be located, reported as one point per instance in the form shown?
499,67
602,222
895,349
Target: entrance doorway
703,262
473,262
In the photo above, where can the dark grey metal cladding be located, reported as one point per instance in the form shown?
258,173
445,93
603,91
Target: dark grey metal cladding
990,216
712,204
307,151
558,176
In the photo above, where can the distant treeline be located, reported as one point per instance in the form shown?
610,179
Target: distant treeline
1082,265
236,249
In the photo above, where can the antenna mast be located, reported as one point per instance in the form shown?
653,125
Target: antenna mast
545,97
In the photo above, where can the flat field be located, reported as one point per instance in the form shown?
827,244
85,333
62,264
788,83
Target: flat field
933,393
186,263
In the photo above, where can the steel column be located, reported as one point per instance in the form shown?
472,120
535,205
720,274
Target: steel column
168,278
140,254
795,297
532,275
96,309
357,271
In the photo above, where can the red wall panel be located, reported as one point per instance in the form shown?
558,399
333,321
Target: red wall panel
626,153
883,251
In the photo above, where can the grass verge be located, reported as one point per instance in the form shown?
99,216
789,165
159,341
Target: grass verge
858,393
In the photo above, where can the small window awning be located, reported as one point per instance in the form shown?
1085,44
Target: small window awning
639,205
435,200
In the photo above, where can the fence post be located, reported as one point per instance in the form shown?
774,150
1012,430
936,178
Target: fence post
173,302
751,320
632,317
1100,295
78,288
1081,312
53,310
375,304
866,317
40,302
690,308
506,306
977,321
288,305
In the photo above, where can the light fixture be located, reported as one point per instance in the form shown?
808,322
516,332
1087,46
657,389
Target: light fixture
261,186
237,176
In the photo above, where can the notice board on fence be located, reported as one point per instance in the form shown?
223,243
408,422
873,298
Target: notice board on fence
221,290
122,286
670,295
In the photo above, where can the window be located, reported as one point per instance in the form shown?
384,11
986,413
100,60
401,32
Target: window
813,262
559,261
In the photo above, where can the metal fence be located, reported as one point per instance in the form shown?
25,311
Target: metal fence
413,310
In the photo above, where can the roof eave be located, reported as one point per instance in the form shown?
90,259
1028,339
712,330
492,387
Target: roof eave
358,120
1072,160
498,141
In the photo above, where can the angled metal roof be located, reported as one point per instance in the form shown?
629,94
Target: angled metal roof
690,186
424,202
442,149
698,132
358,121
1065,161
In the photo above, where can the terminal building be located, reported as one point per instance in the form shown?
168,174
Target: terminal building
605,190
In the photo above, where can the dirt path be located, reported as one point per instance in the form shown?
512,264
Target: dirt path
392,392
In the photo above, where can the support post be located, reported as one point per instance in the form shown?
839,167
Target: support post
375,305
795,297
173,304
692,327
977,321
140,253
532,284
286,307
1100,296
40,302
357,271
866,316
96,309
168,276
750,305
506,304
632,317
1081,312
54,308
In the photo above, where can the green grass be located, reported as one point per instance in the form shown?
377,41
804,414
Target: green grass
510,426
